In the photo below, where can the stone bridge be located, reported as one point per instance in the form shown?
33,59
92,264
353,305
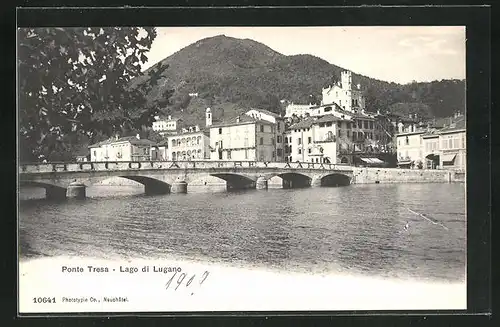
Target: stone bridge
62,180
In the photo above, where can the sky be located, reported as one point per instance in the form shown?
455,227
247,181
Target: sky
394,54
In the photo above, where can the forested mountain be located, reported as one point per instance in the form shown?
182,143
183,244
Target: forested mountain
232,74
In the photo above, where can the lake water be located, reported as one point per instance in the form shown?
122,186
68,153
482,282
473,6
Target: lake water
358,229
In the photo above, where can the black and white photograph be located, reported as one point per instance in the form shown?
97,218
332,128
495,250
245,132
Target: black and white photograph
248,168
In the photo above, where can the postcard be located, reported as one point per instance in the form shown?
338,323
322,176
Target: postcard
209,169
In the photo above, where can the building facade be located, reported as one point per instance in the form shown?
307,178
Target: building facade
244,138
279,129
312,140
433,148
410,153
190,145
166,125
131,148
453,147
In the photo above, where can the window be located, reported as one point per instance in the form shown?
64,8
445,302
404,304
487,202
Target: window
365,124
198,140
348,134
261,142
300,151
245,141
220,130
290,149
309,150
371,125
272,140
95,153
229,154
262,128
407,141
329,124
246,153
309,140
278,139
279,127
299,141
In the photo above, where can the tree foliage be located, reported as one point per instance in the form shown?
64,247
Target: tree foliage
75,82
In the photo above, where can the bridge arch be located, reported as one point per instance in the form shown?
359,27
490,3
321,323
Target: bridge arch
151,185
235,181
295,180
52,191
335,179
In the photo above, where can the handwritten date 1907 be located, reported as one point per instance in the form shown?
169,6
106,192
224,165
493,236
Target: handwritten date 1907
188,281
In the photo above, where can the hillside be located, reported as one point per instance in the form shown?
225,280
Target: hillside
231,74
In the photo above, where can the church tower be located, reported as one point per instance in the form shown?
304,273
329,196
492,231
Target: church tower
208,117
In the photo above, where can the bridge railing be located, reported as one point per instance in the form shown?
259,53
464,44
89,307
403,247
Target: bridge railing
167,165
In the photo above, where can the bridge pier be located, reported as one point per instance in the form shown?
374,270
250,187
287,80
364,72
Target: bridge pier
179,187
261,183
55,193
316,181
76,190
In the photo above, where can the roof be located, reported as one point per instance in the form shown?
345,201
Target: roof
304,123
243,120
326,118
431,133
131,139
418,131
267,112
201,131
458,125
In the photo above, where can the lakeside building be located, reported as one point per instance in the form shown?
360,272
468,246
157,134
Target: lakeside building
453,145
191,144
167,125
243,138
279,129
129,148
312,140
160,152
433,148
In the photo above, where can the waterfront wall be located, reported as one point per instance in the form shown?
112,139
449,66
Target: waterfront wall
396,175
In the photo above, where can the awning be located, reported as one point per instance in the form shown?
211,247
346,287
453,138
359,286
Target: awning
448,157
376,161
406,162
372,160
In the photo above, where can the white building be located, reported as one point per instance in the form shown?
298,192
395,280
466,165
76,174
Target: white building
299,110
410,148
191,144
312,140
130,148
166,125
434,148
243,138
279,128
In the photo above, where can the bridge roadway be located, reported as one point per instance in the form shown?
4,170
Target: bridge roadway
63,179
